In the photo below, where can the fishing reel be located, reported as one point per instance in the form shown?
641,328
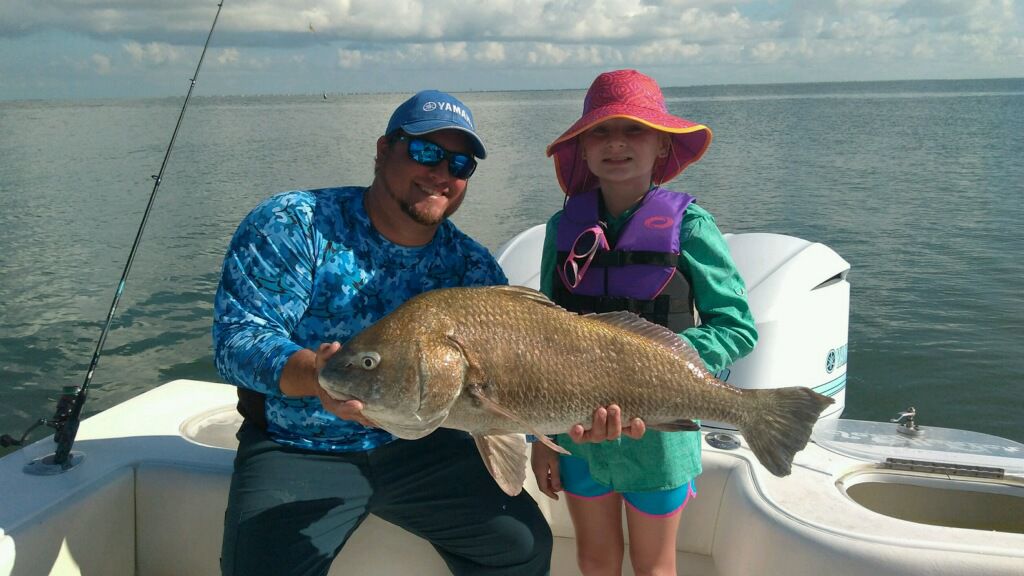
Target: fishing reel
65,425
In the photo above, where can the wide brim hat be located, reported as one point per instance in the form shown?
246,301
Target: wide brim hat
635,96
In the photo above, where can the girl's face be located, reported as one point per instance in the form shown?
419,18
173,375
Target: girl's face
622,153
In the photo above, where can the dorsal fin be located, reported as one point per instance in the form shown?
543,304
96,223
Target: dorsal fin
525,293
654,332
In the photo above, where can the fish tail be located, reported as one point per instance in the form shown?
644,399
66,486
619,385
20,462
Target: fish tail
781,424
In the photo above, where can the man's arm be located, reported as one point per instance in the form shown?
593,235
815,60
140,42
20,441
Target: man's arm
265,288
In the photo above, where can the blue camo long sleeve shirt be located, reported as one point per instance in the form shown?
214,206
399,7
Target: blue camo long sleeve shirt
307,267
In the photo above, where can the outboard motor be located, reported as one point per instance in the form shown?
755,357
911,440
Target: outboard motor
800,299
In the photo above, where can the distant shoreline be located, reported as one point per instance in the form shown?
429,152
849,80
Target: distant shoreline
768,87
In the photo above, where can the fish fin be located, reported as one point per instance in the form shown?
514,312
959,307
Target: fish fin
543,439
476,381
677,426
525,293
655,332
505,457
495,408
780,424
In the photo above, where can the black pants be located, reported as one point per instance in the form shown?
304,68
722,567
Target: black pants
290,511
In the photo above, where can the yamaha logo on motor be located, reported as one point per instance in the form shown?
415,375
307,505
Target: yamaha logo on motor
836,358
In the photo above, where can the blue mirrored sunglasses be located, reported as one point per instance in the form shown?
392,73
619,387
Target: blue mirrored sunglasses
427,153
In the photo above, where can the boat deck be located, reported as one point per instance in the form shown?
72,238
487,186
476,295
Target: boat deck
147,500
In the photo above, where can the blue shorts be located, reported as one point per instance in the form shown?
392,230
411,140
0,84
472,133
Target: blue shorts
577,482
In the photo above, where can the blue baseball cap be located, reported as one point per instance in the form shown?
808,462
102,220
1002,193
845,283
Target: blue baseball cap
431,110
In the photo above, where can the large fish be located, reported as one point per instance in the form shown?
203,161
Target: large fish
501,361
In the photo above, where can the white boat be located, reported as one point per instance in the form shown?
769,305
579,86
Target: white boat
147,494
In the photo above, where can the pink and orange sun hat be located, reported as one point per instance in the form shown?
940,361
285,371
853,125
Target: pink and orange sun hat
635,96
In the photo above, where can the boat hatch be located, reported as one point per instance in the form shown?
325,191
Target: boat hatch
879,442
950,501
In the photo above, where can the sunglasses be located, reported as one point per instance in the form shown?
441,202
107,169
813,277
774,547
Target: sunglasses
582,254
427,153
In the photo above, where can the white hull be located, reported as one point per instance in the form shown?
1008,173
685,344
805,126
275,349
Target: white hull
147,500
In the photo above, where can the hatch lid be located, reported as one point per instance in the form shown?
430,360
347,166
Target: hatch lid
877,441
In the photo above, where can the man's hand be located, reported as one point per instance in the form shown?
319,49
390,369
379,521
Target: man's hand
607,425
344,409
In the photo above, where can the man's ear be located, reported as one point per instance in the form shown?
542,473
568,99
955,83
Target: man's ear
383,147
383,151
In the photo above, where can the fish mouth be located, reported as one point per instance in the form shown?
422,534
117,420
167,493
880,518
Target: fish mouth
339,395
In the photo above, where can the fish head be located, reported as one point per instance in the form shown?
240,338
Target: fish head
407,385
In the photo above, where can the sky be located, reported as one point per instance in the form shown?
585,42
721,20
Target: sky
82,49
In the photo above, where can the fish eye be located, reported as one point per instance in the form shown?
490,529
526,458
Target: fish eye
369,360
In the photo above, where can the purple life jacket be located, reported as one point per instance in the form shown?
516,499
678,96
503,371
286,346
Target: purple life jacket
639,273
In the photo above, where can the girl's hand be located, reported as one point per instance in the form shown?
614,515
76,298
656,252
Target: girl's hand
545,467
607,425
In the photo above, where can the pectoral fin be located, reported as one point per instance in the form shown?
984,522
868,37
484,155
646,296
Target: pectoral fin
504,455
495,408
476,384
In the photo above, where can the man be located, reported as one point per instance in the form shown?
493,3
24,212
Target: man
308,269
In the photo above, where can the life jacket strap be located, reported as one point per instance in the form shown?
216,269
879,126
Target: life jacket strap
618,258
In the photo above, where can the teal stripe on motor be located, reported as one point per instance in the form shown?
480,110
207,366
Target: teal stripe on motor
832,387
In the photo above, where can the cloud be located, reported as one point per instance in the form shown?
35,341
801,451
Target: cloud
101,62
518,42
490,53
228,56
350,58
152,53
140,20
547,31
306,22
767,52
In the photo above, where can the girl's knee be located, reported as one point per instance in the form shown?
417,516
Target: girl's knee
659,571
663,566
599,562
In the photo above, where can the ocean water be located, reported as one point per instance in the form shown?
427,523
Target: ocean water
918,185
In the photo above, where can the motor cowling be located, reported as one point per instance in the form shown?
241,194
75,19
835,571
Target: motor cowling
800,299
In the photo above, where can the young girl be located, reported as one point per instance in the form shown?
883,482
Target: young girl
624,243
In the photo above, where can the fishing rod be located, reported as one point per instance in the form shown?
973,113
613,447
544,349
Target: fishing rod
69,406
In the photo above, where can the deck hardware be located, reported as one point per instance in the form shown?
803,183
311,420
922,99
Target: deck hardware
722,441
946,468
906,424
